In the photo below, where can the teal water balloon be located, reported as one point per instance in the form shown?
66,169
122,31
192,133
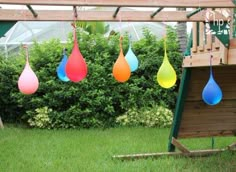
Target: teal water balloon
61,69
212,93
131,58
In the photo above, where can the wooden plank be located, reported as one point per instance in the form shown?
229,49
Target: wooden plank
231,56
232,44
193,134
223,54
208,127
181,147
216,44
201,37
232,146
196,153
194,31
199,60
130,3
65,15
209,42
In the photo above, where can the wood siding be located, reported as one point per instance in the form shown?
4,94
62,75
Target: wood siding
202,120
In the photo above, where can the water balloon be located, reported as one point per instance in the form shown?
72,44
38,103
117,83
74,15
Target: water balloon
131,58
166,75
61,69
28,82
76,67
121,69
212,93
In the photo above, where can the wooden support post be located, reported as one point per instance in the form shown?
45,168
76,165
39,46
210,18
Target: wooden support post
201,37
194,12
209,42
178,145
32,11
216,44
1,124
232,146
157,11
194,47
116,12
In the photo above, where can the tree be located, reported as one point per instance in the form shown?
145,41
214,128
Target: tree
94,27
182,33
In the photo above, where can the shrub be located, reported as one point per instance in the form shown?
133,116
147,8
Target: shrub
97,100
157,116
40,118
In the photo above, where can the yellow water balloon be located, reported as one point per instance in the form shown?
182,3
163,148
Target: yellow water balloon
166,75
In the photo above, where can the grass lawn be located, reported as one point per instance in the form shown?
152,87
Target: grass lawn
36,150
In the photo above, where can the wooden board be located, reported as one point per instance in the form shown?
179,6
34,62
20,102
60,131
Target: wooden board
129,3
202,120
66,15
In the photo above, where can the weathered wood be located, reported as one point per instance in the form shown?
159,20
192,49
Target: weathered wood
202,120
209,42
179,146
1,123
232,146
194,30
201,37
198,153
203,59
130,3
216,44
196,134
62,15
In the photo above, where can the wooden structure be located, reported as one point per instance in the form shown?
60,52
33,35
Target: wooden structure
192,117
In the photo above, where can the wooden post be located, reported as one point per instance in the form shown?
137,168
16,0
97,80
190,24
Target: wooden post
194,47
181,147
216,44
1,124
201,37
209,42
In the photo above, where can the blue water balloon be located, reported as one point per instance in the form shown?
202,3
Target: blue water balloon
212,93
61,69
131,59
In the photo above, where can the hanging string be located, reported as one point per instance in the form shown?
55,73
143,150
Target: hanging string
120,24
211,65
27,52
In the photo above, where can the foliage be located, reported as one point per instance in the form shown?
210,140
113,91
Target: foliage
156,116
94,27
97,100
40,118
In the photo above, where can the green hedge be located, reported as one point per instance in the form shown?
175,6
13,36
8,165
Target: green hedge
98,99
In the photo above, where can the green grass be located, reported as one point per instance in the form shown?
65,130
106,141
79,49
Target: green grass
34,150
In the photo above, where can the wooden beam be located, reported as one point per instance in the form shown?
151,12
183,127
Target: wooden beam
232,146
141,16
130,3
178,145
198,153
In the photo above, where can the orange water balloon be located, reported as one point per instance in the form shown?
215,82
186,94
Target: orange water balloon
121,70
28,82
76,67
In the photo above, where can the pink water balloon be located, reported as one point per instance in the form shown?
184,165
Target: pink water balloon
28,82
